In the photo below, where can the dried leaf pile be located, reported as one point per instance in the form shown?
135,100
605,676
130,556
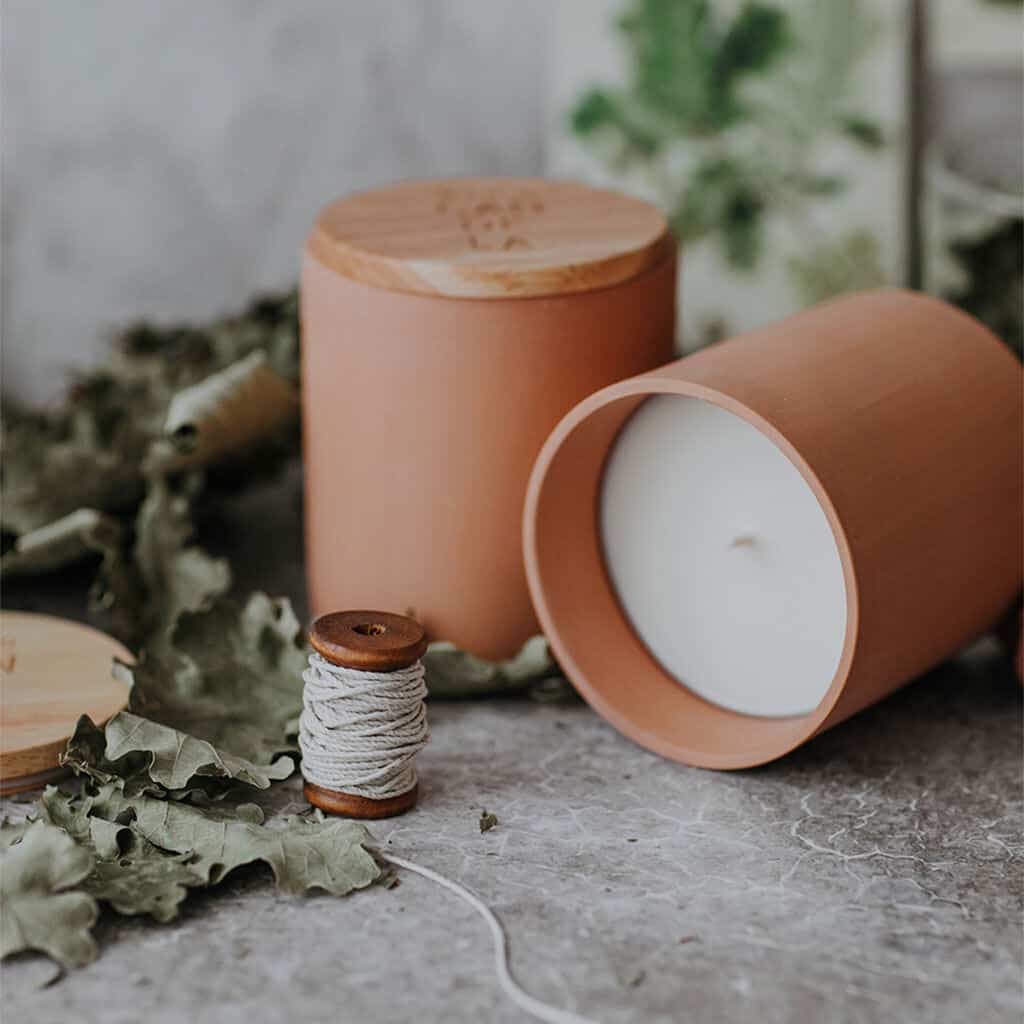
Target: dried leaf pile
180,419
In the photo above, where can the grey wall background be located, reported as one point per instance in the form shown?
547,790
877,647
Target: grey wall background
165,159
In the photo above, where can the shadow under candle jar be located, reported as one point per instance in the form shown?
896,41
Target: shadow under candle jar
746,546
446,327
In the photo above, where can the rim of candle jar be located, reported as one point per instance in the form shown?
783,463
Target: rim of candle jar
589,632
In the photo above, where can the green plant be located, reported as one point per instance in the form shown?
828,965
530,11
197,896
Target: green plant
994,272
723,116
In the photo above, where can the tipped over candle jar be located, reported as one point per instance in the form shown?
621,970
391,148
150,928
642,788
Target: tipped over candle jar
447,327
742,548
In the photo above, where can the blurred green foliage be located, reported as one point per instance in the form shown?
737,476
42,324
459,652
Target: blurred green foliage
994,272
722,114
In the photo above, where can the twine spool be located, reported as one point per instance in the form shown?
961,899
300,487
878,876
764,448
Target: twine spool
363,719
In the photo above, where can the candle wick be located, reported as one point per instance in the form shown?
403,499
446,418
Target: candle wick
744,540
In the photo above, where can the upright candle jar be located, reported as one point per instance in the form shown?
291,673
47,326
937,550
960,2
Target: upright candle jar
447,327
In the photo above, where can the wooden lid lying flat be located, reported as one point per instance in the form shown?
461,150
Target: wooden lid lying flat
52,671
490,237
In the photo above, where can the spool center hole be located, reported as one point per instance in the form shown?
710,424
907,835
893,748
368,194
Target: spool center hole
370,629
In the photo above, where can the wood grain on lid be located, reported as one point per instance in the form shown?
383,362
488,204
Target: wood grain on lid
52,671
490,237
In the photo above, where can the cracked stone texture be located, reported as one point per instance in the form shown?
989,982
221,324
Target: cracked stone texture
873,875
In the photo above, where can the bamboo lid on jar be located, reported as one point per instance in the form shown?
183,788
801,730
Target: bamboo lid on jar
490,237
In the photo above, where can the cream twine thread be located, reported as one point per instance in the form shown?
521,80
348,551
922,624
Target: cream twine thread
530,1004
360,731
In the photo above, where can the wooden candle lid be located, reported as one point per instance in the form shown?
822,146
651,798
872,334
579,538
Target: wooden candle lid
490,237
51,672
373,642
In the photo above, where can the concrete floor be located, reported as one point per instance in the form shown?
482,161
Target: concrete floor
873,875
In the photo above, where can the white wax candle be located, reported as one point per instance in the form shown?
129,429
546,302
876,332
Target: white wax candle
722,558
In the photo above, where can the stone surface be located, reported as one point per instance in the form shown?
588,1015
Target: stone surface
873,875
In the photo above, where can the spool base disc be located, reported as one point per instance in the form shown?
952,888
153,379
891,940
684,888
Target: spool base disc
349,806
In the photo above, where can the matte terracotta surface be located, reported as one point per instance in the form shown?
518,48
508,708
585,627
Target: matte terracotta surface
422,418
904,416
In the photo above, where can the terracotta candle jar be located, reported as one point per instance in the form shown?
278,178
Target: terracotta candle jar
447,327
740,549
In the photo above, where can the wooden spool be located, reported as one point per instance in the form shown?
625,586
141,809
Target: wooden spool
373,642
52,671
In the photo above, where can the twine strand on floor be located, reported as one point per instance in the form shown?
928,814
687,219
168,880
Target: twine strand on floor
529,1004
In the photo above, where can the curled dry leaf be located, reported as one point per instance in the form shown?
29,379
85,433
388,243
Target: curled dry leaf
42,906
55,464
92,450
175,758
176,575
152,758
207,713
229,411
302,852
235,680
129,873
115,588
452,673
63,541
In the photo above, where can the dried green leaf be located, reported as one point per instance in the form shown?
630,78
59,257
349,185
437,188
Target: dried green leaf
116,587
55,464
175,758
144,880
85,754
66,540
178,576
487,820
41,905
212,712
453,674
70,813
130,874
92,450
303,853
229,411
143,752
238,683
11,832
